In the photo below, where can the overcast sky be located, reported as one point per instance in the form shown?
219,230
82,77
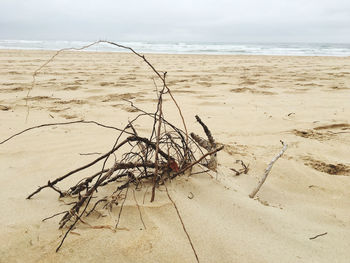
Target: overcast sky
178,20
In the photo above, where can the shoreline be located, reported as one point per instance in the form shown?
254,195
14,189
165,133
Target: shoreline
174,54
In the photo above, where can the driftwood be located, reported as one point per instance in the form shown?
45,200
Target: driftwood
268,169
154,160
209,144
166,153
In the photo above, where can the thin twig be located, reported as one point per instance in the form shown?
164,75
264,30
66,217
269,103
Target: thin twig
36,72
93,153
268,169
71,228
182,223
144,195
243,170
62,123
160,113
47,218
78,169
121,208
94,207
138,207
200,172
194,163
319,235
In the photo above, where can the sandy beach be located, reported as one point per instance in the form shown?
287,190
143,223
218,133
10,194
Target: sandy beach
250,103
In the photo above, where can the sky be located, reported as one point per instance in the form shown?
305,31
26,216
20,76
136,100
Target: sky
322,21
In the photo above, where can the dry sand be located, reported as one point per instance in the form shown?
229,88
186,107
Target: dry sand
249,102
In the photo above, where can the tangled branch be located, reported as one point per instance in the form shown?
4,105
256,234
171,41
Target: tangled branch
167,153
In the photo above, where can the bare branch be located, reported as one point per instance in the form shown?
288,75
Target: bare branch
62,123
207,131
268,169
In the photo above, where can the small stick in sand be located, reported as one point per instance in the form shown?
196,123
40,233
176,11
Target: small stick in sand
325,233
209,144
243,170
268,169
183,225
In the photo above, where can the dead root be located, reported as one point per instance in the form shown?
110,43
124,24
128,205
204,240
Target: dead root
167,152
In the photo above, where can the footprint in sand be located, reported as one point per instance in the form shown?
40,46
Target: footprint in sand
69,117
323,132
4,108
247,82
254,91
332,169
7,90
310,134
204,83
342,126
72,88
102,84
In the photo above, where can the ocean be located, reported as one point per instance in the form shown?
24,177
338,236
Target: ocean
288,49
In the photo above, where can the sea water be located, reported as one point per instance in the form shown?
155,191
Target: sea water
292,49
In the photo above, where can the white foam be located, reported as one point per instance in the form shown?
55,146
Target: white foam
299,49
